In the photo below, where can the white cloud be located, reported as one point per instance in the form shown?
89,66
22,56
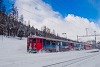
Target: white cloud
40,14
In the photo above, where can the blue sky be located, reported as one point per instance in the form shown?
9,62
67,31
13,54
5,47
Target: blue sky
8,4
84,8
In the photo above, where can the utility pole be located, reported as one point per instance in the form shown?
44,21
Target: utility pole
86,31
65,34
77,38
95,38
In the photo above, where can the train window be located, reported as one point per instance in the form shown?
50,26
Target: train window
53,44
67,44
40,40
47,42
34,40
30,41
64,44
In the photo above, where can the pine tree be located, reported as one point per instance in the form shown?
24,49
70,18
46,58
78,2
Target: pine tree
13,19
2,17
21,19
14,13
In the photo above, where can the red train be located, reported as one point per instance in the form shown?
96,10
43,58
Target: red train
87,46
34,44
37,43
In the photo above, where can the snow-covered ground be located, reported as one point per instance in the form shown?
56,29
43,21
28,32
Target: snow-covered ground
13,54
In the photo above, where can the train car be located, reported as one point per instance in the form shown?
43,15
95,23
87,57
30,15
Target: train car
49,45
78,46
36,44
71,46
64,46
88,46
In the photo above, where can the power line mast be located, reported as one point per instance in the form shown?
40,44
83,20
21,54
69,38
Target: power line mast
95,37
87,31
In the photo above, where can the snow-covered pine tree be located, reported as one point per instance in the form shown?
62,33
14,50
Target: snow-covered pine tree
2,17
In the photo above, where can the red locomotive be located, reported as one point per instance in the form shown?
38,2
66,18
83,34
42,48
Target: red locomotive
34,44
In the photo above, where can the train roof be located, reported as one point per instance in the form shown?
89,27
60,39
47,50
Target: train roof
34,36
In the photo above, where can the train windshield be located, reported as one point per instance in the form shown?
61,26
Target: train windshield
34,40
39,40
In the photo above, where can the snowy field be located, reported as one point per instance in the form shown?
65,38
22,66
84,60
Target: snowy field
13,54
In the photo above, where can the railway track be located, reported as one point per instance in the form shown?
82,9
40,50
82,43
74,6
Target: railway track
70,62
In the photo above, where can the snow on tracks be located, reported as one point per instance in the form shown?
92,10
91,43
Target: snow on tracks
70,62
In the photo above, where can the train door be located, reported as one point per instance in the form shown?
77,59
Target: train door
71,46
57,46
39,44
33,44
54,44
